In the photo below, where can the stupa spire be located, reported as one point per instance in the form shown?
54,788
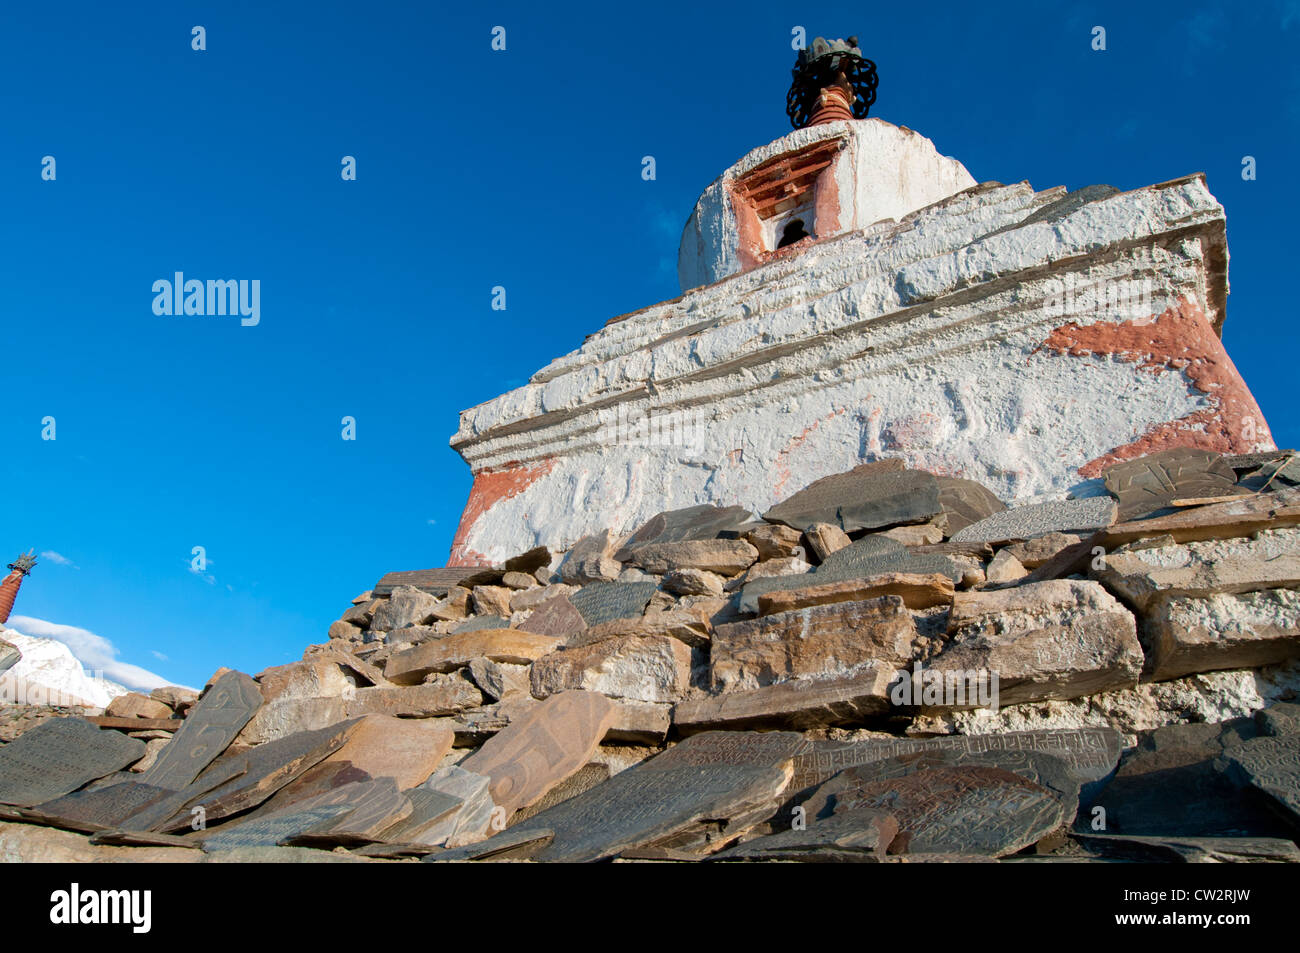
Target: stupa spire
19,568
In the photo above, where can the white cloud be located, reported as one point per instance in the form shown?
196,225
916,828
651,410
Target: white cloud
58,559
159,656
94,652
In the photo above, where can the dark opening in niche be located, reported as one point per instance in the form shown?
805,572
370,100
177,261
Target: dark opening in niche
794,231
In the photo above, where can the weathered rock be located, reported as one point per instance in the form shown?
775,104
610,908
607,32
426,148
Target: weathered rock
870,496
499,679
471,822
28,844
641,723
916,591
1033,553
688,624
651,668
1265,511
606,601
538,751
430,811
1004,567
693,582
317,678
446,695
1281,718
1204,568
1251,630
361,615
820,641
518,580
492,600
1192,850
479,622
344,631
822,539
768,569
1148,485
532,598
919,534
455,651
557,617
1057,639
407,750
405,606
774,541
454,606
799,704
965,502
1025,522
135,705
591,559
967,809
724,556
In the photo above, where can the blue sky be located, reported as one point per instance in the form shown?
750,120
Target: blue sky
475,168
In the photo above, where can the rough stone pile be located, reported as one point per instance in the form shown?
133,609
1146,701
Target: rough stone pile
889,665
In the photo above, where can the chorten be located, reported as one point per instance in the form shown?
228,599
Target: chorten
849,293
19,568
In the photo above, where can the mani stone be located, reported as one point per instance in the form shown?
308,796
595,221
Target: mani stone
1223,632
648,668
242,781
1171,784
539,750
405,749
436,582
859,835
693,522
726,557
468,824
966,809
918,591
59,756
373,808
819,641
429,809
1037,519
1148,485
1089,755
1060,639
209,728
798,703
871,496
606,601
688,799
410,666
556,617
1279,718
965,502
272,830
100,808
1271,766
868,557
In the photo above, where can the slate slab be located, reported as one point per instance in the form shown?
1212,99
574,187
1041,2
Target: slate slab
871,496
374,806
481,622
1270,766
1169,786
693,522
966,809
1090,755
58,756
605,601
528,562
862,835
1038,519
866,557
209,728
1192,850
273,830
9,655
100,808
429,808
557,617
436,582
965,502
541,748
1148,485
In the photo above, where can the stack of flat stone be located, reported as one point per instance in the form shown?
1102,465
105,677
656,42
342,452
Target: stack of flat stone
887,666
